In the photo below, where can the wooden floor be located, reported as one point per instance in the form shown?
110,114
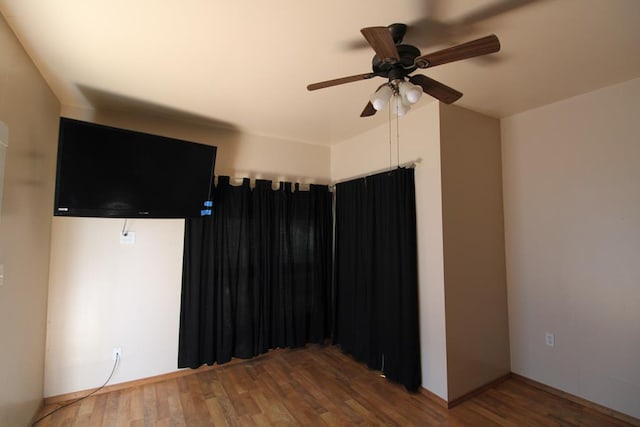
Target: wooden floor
313,386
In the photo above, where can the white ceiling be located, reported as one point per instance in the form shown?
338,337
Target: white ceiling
246,64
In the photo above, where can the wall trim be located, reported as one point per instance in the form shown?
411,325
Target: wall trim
540,386
67,397
477,391
433,397
579,400
64,398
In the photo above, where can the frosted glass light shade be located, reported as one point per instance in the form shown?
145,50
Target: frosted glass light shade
410,92
381,97
400,108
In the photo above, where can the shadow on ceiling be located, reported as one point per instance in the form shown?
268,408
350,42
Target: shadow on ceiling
122,111
106,101
431,29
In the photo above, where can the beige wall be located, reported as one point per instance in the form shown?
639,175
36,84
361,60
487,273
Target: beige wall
104,294
464,339
572,222
31,112
572,234
419,141
473,234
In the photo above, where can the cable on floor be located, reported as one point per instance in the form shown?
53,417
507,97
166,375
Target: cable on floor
115,363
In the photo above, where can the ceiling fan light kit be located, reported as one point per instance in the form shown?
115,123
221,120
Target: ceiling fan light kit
410,92
381,97
399,107
401,93
395,61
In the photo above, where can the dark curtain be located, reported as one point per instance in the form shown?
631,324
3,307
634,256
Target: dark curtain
256,274
376,274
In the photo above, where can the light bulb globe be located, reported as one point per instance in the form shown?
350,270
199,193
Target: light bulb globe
410,93
381,97
400,108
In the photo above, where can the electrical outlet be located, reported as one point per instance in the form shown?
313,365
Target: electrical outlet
549,339
116,353
128,238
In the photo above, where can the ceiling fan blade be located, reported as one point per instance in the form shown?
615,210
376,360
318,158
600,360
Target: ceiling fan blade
340,81
482,46
381,41
368,110
436,89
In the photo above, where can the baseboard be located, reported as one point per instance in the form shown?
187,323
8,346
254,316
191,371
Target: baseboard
433,397
579,400
63,398
540,386
450,404
477,391
35,416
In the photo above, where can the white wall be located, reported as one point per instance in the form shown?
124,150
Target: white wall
81,359
572,221
30,111
419,140
104,294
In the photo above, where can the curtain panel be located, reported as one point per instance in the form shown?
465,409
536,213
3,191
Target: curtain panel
257,273
376,274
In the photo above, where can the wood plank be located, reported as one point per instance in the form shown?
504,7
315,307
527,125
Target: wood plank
318,385
580,401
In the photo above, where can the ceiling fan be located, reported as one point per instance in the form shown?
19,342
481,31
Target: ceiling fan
395,61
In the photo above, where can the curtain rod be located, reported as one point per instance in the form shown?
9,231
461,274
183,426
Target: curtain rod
275,183
238,180
410,165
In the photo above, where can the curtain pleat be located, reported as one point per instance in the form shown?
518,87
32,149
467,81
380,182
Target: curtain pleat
262,255
197,344
256,274
376,274
354,271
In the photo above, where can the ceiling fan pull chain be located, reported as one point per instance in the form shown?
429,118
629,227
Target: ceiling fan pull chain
398,140
390,142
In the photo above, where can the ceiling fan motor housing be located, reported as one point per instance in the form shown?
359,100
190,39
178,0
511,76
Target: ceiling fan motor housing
405,65
397,31
396,61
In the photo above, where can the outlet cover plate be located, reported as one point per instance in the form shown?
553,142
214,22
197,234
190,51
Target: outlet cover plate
128,238
116,353
549,339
